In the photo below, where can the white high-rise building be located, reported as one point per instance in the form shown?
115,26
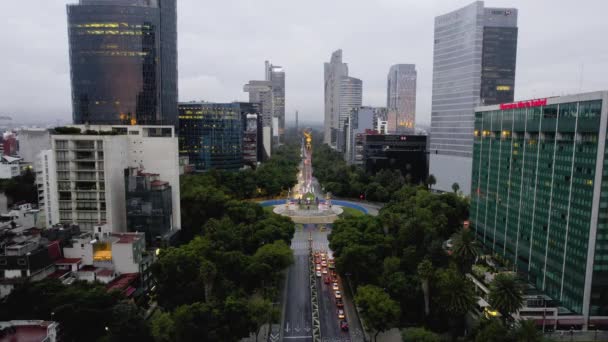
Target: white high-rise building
276,76
335,70
351,97
82,177
401,98
261,92
474,58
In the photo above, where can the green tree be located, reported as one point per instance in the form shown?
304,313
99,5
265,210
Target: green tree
262,312
526,331
492,330
430,181
456,297
419,335
465,249
277,255
177,274
379,311
200,322
128,324
162,327
455,187
506,295
425,273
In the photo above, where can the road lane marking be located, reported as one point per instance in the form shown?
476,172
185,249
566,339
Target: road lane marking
286,337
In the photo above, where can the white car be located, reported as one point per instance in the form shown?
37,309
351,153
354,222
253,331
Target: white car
319,274
335,287
338,294
325,271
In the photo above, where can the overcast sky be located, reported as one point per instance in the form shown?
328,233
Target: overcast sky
563,48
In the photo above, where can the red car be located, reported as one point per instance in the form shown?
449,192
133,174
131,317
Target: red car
339,303
344,326
326,280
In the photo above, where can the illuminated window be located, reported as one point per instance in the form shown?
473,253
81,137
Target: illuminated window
503,88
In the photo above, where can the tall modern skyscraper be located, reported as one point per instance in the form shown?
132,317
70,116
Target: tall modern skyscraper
123,58
335,70
474,60
276,76
401,98
351,97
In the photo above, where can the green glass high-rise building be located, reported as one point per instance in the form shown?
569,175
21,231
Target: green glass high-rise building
539,195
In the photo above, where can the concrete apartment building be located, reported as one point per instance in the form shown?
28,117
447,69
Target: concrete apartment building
82,178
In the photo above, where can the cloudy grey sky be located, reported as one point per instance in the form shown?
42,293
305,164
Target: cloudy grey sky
223,44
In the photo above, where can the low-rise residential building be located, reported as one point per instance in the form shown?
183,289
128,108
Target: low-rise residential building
104,256
29,254
31,142
10,167
149,205
29,331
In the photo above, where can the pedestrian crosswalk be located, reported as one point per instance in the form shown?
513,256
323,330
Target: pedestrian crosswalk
316,245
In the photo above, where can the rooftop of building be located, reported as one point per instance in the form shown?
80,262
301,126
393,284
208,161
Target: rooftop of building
130,237
103,130
68,261
542,101
24,331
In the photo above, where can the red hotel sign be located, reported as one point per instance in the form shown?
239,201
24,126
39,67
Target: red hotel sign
523,104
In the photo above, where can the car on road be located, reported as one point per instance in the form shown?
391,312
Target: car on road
324,263
338,295
319,274
326,280
324,270
318,267
341,314
344,325
339,303
335,287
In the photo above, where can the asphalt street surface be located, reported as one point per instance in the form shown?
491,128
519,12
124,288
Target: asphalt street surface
297,323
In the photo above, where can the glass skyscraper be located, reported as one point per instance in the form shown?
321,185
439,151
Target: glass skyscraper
123,58
276,76
474,60
539,196
401,98
211,134
335,70
351,95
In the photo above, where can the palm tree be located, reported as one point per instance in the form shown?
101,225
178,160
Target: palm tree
457,297
465,249
430,181
455,187
526,331
506,295
425,272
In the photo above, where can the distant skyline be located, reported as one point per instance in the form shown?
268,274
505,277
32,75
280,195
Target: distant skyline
560,51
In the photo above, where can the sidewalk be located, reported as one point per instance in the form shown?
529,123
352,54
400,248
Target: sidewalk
357,334
261,337
393,335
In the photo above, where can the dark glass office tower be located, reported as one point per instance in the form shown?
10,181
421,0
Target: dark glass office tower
211,134
123,57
